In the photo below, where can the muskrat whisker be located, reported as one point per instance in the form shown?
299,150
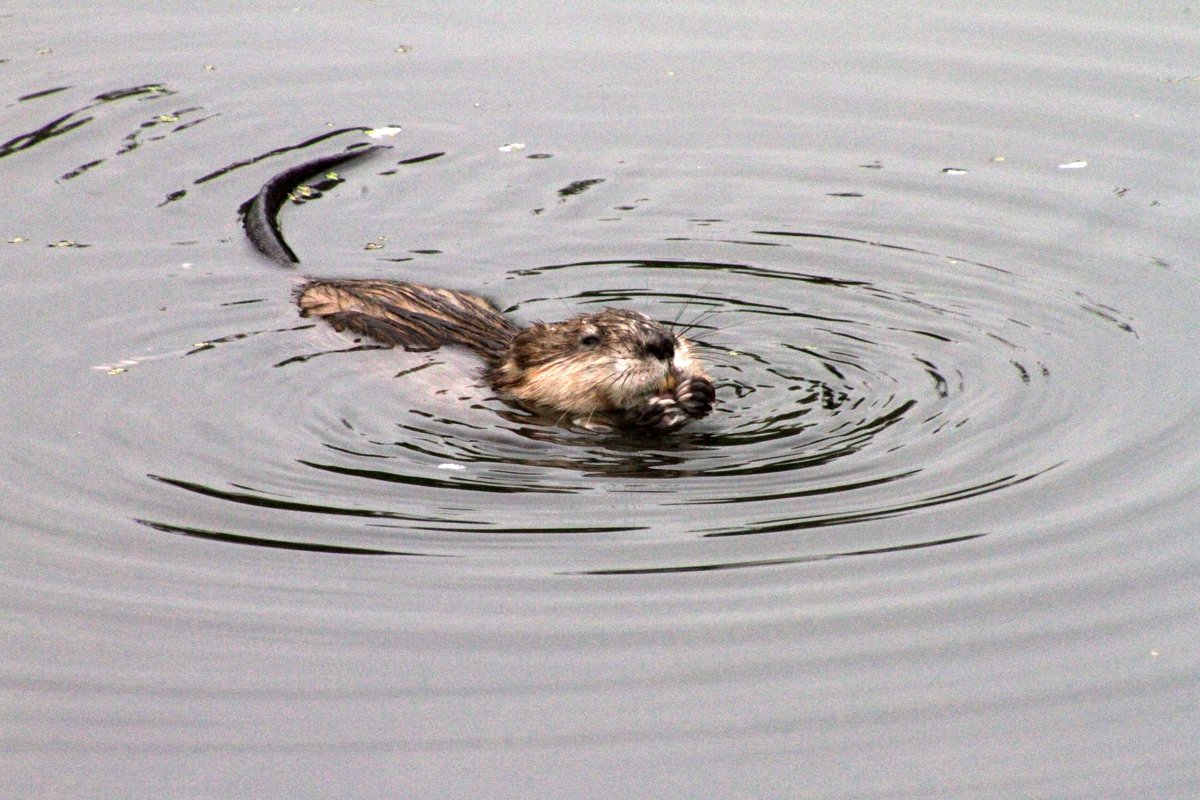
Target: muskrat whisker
702,317
620,377
712,331
689,299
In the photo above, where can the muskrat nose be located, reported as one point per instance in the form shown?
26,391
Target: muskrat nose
661,347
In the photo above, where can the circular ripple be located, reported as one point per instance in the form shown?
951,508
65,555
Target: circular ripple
888,382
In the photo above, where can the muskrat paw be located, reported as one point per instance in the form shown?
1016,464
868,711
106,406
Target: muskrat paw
695,396
660,413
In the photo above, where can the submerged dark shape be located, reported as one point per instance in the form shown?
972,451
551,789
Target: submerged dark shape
612,367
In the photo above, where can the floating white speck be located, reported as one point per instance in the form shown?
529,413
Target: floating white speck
510,147
954,171
1073,165
380,133
117,367
452,467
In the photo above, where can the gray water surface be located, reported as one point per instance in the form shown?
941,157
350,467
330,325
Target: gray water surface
938,539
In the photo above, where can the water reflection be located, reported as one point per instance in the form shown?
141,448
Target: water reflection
73,120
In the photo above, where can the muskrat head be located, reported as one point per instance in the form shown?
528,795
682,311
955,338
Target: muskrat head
612,365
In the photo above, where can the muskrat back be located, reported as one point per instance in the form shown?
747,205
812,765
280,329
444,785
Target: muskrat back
409,315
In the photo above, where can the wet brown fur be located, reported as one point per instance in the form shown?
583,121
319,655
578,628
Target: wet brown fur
408,315
612,366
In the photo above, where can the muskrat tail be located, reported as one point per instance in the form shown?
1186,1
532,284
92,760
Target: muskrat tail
259,213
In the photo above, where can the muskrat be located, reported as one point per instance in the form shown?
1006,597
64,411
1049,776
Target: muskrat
612,367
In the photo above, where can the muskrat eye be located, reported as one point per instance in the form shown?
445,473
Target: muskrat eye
589,340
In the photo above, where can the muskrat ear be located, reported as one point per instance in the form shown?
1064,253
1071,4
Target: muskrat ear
589,340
